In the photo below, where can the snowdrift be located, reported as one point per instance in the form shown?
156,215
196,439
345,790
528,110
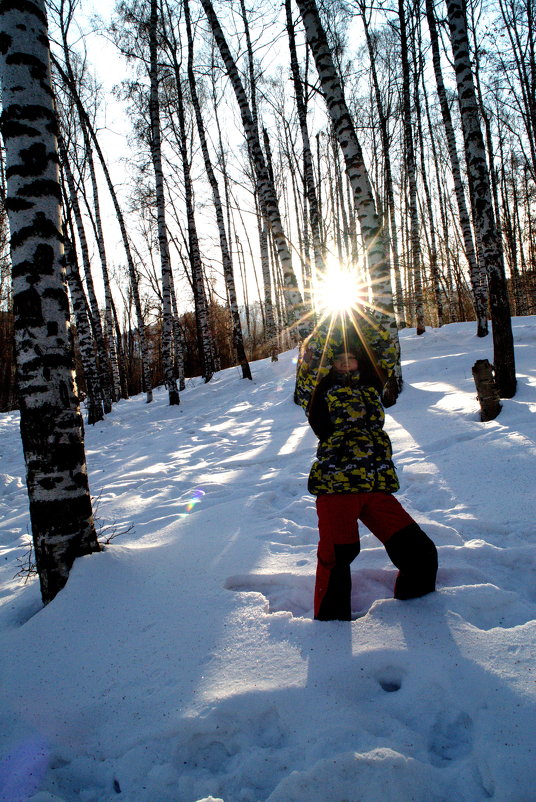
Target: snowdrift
182,663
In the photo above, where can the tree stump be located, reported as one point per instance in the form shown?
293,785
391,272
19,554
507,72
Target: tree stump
488,395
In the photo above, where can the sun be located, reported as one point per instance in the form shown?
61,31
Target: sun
339,290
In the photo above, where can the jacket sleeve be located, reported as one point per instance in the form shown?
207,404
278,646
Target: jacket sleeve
318,411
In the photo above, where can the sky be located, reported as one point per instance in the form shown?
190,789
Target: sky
120,150
182,663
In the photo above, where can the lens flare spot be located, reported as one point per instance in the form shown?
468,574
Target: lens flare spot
190,501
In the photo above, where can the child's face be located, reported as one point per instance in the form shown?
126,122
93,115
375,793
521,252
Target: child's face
343,363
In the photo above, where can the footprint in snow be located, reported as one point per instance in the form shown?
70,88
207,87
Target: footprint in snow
390,679
291,593
451,738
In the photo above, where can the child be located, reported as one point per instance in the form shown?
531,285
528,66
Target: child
354,478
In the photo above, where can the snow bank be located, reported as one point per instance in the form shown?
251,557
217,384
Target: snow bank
183,664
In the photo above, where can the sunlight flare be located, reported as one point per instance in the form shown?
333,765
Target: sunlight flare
339,290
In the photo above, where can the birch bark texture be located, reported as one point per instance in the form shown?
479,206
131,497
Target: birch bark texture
415,256
51,424
270,206
344,129
371,226
69,81
389,184
228,273
79,304
476,272
202,317
103,362
308,171
480,189
165,259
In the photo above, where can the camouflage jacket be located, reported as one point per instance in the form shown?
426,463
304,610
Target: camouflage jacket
354,454
376,352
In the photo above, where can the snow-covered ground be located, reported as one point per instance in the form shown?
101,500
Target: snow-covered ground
182,663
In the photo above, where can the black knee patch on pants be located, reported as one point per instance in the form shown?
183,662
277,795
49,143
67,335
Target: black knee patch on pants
336,604
345,553
415,555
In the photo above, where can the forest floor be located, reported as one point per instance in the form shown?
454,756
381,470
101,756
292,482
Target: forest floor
182,663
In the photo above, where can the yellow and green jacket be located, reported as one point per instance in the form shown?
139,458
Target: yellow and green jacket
376,353
354,452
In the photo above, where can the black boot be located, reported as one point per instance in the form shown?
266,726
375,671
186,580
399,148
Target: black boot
415,555
336,604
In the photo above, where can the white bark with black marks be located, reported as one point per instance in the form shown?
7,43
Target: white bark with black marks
104,367
51,423
95,411
309,179
344,128
480,189
133,275
204,334
165,260
228,273
476,272
386,153
268,198
415,257
108,301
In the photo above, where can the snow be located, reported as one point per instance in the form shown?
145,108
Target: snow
183,664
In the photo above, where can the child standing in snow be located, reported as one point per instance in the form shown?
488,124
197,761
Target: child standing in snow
354,478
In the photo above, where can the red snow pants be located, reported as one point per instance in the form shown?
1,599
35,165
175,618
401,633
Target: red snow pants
338,546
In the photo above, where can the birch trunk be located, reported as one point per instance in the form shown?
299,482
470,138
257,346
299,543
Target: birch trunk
415,257
108,358
178,345
204,335
165,260
432,249
308,172
119,345
484,219
266,189
103,364
386,153
371,228
476,271
108,301
51,424
134,283
238,339
85,340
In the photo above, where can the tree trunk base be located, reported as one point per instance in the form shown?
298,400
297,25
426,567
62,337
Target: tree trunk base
488,395
390,392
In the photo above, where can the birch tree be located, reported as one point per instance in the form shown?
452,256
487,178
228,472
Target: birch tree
165,260
476,272
69,81
386,153
480,188
205,340
107,357
82,316
415,257
344,128
103,363
108,299
270,206
314,211
228,273
51,424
